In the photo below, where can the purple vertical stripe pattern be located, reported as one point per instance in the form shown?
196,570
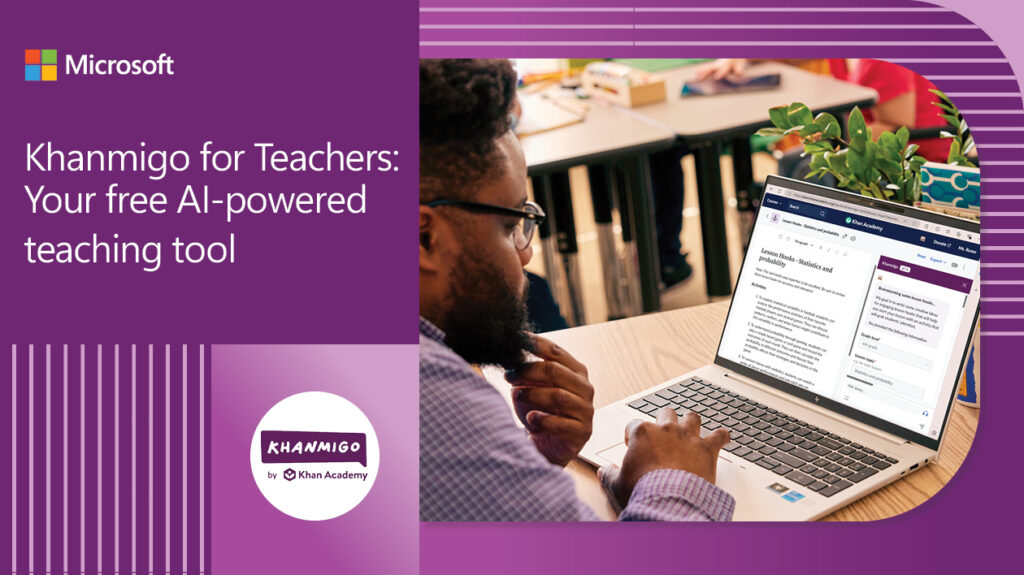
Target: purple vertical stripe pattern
90,462
124,455
205,549
74,367
159,452
37,381
81,445
142,365
175,487
193,478
937,43
108,389
55,475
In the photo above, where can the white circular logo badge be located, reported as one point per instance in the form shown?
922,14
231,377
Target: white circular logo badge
314,456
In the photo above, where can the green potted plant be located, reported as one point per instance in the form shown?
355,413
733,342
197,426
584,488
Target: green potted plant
887,169
962,142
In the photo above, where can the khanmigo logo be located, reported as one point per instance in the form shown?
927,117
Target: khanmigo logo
314,456
41,65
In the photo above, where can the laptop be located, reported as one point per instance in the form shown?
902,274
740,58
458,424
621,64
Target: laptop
837,367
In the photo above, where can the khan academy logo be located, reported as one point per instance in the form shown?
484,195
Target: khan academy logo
314,456
41,66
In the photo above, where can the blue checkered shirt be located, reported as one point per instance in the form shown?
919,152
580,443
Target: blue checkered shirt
476,464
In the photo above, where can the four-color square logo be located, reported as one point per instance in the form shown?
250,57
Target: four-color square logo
40,65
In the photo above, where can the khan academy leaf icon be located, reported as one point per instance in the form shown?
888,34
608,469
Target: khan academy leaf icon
289,474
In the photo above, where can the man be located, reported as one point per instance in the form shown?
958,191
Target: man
475,227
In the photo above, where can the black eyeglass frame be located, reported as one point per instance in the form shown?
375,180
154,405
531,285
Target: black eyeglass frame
491,208
537,218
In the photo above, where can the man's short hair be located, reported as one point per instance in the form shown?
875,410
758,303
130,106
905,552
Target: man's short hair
464,108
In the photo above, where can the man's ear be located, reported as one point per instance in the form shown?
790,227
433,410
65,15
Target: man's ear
430,234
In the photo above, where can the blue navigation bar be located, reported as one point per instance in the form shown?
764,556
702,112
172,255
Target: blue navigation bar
872,226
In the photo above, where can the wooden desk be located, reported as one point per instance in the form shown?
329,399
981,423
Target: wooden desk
627,356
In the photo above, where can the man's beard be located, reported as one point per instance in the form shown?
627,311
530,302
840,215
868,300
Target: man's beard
486,322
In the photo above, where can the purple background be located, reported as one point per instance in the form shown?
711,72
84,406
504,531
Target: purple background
250,536
296,74
969,525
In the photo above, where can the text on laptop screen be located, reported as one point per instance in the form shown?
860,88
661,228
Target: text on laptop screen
854,304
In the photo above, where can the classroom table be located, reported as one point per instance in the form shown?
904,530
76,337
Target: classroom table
703,123
630,355
612,139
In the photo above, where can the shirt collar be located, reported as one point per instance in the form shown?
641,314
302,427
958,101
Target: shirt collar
430,330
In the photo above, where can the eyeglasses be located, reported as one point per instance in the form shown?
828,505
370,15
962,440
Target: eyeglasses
531,216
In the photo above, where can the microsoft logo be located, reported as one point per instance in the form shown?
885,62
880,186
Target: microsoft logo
40,65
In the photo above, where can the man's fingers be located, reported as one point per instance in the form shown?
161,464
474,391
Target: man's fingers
558,425
553,374
691,422
631,428
554,400
608,475
717,439
666,415
549,350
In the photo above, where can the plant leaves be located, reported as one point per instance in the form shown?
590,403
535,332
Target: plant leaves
769,132
903,136
858,143
954,150
951,119
855,160
856,125
816,173
837,161
812,128
779,117
830,125
817,147
890,144
799,114
892,170
910,151
968,145
872,152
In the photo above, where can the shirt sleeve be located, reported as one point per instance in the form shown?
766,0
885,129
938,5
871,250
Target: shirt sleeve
476,464
677,495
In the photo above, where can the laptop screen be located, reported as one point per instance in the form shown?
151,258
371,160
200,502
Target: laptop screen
864,310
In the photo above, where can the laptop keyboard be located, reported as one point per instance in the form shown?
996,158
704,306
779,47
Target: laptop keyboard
802,453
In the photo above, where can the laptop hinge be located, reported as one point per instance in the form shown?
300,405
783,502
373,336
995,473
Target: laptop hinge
888,437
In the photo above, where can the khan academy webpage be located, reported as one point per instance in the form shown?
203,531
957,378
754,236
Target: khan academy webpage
856,305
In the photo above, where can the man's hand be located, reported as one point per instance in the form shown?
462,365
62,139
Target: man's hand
555,401
667,444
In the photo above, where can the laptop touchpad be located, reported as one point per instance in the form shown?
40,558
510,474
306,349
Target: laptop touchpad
614,454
